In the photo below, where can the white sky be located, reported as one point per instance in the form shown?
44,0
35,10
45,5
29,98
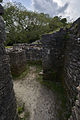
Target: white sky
66,8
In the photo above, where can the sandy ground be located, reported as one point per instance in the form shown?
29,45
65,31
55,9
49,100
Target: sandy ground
40,101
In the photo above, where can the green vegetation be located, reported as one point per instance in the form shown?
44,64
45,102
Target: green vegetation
21,109
20,24
8,46
22,114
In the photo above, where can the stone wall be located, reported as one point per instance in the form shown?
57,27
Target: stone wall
61,60
17,61
33,51
72,67
76,108
7,97
21,53
72,61
53,54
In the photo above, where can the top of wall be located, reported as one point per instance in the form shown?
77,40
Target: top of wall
75,28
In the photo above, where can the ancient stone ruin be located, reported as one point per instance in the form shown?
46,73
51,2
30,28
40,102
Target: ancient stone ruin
33,51
18,61
61,62
21,53
76,108
7,97
60,56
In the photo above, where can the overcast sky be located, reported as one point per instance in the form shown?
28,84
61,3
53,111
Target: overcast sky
65,8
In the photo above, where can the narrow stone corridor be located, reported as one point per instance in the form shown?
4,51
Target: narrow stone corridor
40,101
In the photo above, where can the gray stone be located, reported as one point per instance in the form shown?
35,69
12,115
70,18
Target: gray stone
61,57
33,51
18,61
7,96
2,30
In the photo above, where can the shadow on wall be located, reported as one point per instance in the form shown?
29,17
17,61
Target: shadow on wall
7,97
61,57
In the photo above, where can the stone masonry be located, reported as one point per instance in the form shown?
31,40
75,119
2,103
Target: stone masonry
72,67
7,97
17,61
53,54
76,108
33,51
60,56
21,53
61,62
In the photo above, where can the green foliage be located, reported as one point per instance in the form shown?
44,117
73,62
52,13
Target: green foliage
21,110
23,26
57,22
8,46
64,21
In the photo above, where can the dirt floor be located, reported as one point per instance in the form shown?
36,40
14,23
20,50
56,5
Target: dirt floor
39,101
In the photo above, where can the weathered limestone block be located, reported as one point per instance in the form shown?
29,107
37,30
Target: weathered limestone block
72,67
53,55
61,56
75,28
76,109
33,51
2,30
33,54
2,36
17,62
7,97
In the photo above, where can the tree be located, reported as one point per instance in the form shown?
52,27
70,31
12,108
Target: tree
64,21
27,26
55,23
15,19
23,25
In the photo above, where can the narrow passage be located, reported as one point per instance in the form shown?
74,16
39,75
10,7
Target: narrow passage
38,99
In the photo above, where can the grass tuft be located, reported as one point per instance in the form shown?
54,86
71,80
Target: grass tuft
21,110
8,46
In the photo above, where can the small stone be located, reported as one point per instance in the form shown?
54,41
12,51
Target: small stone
21,115
78,88
77,103
41,73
